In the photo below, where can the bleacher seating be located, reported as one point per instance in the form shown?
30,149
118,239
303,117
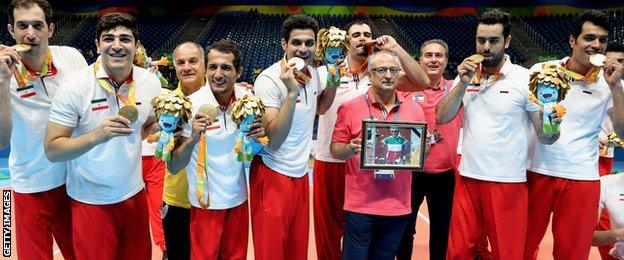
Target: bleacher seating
259,35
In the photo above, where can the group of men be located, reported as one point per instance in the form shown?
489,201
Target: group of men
79,179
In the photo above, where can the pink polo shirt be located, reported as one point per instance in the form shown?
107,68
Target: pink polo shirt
441,155
363,193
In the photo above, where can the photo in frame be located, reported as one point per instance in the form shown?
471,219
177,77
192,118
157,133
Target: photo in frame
394,145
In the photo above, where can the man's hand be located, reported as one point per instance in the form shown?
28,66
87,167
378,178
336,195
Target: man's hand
467,70
8,57
387,43
613,72
112,126
288,77
255,129
199,125
356,146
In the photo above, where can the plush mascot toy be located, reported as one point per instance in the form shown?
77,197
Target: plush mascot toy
244,112
548,87
332,45
172,109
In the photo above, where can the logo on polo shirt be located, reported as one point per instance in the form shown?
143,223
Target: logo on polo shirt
213,126
27,91
473,88
99,104
621,196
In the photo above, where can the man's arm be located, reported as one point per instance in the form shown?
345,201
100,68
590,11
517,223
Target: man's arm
325,100
8,57
448,107
60,146
415,77
613,75
277,121
606,237
181,154
342,151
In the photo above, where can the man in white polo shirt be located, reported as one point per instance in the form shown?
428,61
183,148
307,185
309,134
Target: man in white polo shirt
612,200
218,194
563,178
42,208
496,130
279,187
109,206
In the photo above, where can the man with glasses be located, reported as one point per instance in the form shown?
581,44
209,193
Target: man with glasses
377,203
495,99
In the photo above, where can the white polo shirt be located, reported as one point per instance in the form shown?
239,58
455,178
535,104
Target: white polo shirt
291,159
612,198
31,171
110,172
575,154
496,127
350,87
226,182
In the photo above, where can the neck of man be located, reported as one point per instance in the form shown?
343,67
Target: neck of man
577,67
120,75
356,61
387,98
225,98
495,69
435,81
34,62
190,88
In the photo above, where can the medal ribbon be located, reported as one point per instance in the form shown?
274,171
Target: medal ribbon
106,85
23,76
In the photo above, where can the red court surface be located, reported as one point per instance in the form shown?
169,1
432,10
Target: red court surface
420,243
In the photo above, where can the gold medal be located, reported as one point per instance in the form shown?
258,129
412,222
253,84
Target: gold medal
129,112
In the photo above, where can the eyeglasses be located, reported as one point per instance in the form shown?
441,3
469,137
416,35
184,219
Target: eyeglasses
380,71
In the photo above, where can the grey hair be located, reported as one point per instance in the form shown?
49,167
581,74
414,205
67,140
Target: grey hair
202,53
436,41
373,57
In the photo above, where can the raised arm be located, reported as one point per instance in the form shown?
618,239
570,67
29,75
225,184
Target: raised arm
8,58
448,107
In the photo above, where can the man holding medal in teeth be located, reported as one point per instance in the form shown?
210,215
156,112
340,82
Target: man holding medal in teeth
293,94
30,74
97,122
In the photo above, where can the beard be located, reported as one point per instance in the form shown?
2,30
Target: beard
495,60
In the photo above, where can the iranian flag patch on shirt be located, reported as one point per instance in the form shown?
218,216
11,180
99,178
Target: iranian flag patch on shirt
99,104
26,92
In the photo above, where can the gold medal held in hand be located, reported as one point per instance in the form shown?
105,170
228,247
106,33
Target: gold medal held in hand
477,58
129,112
21,47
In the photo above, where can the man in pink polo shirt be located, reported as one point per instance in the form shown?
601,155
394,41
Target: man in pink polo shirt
377,209
437,181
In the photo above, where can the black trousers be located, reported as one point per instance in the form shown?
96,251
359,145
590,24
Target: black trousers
371,237
439,189
176,225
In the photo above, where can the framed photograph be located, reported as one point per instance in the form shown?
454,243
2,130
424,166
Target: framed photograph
393,145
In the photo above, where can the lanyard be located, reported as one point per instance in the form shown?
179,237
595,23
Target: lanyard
23,76
105,83
370,111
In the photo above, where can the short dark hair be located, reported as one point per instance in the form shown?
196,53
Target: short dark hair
359,22
615,47
496,16
43,4
112,20
227,46
301,22
596,17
